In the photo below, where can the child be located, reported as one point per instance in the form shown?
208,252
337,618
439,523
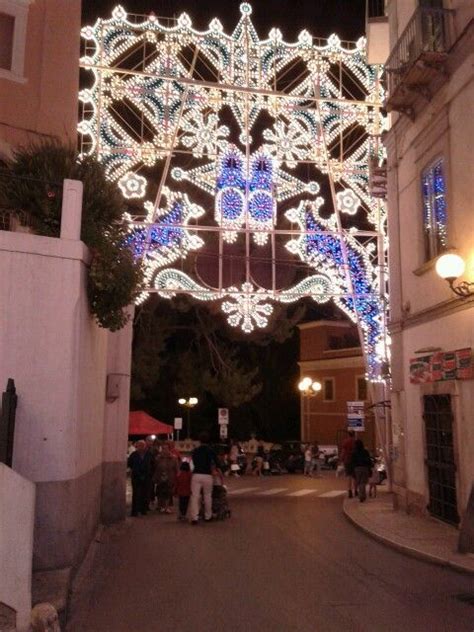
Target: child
374,481
183,489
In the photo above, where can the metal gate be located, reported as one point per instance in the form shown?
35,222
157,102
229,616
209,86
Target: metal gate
440,461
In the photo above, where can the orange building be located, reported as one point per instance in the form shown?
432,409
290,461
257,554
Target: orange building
39,71
330,354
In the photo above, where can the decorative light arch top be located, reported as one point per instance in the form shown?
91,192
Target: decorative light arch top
243,148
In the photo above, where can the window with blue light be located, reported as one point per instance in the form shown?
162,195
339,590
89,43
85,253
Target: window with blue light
433,183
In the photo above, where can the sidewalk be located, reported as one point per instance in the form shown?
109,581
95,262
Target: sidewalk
425,538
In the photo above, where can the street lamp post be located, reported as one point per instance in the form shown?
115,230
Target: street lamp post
308,388
188,404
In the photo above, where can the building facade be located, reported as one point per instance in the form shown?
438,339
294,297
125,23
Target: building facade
430,193
39,71
330,354
72,377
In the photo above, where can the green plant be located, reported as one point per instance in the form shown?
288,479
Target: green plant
32,183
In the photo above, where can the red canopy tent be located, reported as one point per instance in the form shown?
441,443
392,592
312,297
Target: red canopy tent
141,423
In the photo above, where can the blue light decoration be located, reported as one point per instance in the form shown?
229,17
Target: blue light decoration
322,249
262,205
439,187
434,209
158,236
230,198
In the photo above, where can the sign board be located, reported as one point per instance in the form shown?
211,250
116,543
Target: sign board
355,416
223,416
223,431
178,423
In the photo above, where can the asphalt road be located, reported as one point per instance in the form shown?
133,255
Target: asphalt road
281,563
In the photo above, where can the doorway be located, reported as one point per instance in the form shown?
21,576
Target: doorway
438,416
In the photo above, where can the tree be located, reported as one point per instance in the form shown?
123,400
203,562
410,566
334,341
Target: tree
36,174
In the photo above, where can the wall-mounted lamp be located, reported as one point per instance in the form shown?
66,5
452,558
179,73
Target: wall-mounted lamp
450,267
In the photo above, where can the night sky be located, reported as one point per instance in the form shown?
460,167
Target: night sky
319,17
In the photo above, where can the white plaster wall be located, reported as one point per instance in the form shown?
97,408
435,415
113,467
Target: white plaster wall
17,502
452,332
116,415
56,354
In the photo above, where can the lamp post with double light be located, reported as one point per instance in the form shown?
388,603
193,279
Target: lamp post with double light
308,388
188,404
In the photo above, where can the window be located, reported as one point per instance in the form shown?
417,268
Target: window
434,209
13,19
329,389
7,29
361,390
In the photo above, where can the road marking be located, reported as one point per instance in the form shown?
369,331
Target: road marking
333,494
242,490
270,492
303,492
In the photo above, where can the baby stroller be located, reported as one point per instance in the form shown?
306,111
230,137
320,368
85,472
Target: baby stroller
220,504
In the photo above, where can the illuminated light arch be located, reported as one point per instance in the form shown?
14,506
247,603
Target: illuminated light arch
252,143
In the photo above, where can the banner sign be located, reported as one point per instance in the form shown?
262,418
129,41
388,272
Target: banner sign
442,366
356,416
223,416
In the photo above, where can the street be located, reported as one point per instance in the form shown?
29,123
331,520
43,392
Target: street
287,560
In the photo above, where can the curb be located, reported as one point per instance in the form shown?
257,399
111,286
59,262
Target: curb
406,550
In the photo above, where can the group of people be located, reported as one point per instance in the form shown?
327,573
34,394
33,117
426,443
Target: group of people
158,472
359,468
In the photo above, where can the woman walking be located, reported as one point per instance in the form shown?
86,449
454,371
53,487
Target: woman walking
166,471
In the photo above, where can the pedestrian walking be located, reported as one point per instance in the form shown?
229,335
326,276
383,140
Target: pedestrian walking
361,465
140,464
183,489
347,449
205,464
308,459
153,450
234,459
166,471
258,470
374,479
314,470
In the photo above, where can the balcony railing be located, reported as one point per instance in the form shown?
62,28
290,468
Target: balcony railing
427,38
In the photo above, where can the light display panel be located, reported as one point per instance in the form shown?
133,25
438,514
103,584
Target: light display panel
238,148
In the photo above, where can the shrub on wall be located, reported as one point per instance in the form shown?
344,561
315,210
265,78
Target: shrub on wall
32,183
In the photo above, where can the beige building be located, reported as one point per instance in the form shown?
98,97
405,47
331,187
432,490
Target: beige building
39,70
430,82
330,354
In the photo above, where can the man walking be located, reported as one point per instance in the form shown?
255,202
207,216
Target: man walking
140,464
346,459
205,464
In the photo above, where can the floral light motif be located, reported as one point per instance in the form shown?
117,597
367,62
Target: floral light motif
347,201
132,185
203,135
246,307
288,143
